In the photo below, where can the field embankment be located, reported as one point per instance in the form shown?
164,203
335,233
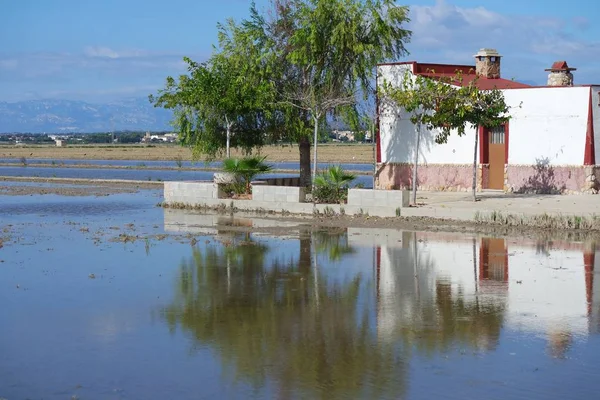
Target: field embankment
332,153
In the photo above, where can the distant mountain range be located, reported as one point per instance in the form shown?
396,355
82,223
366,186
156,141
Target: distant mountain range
63,116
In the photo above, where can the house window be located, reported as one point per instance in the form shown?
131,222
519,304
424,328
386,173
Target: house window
497,135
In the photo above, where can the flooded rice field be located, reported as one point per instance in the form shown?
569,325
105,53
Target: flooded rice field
139,174
111,297
169,164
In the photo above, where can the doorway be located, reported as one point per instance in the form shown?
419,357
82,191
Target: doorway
496,138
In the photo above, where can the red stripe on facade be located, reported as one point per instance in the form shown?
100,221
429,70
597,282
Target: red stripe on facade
506,138
589,157
483,146
377,134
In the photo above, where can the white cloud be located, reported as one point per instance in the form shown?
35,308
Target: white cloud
448,33
106,52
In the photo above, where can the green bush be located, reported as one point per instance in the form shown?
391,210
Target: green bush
331,185
246,169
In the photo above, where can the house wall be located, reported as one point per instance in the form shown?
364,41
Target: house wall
547,139
441,167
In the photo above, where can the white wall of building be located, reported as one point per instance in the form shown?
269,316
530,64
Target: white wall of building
547,124
398,134
551,123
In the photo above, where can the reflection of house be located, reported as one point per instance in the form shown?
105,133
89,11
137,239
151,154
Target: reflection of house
548,145
537,290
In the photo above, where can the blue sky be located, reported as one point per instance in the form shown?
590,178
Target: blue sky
104,50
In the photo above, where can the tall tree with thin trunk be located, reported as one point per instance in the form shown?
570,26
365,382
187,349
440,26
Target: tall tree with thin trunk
474,108
220,103
417,98
319,52
445,105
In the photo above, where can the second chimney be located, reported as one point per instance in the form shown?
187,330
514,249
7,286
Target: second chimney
487,63
560,74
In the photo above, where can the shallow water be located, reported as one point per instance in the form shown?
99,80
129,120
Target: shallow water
173,164
283,312
146,174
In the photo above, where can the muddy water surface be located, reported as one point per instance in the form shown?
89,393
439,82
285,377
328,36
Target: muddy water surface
113,298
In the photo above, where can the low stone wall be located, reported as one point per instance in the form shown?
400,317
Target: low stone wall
544,178
375,198
433,177
381,203
268,193
190,192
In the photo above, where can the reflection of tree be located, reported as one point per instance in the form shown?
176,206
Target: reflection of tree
453,320
269,323
333,242
426,312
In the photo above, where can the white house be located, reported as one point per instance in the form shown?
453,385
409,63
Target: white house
548,145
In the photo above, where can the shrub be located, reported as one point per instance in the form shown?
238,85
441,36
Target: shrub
246,169
331,185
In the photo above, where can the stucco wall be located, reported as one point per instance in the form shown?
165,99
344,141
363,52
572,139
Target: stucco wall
441,177
398,135
550,179
547,124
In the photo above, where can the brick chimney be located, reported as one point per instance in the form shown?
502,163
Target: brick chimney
560,74
487,63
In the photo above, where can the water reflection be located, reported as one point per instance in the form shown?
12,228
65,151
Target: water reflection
277,320
314,320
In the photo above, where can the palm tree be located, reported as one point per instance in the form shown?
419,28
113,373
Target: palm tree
332,184
246,169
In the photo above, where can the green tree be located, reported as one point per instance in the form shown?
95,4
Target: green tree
303,57
221,103
246,168
446,105
420,97
331,186
474,108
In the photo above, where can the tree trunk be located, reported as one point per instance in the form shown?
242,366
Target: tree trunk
314,172
415,176
228,137
305,175
475,165
374,148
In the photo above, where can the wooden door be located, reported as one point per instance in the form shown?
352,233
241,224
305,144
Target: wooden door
497,157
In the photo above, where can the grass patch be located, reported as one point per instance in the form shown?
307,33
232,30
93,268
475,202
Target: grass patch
542,221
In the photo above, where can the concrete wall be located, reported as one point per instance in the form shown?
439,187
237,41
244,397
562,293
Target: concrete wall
269,193
190,192
374,198
380,203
